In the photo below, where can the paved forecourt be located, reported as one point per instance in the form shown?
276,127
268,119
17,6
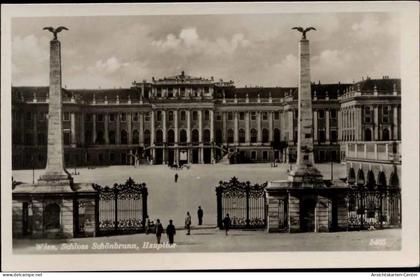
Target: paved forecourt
213,240
195,186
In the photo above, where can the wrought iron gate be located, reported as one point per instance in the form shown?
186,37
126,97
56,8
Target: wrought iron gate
379,207
121,209
245,203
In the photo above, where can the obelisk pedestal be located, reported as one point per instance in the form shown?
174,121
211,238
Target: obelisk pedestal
305,169
55,171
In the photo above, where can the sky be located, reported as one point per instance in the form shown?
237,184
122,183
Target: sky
251,50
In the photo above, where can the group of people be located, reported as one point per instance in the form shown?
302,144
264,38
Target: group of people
170,229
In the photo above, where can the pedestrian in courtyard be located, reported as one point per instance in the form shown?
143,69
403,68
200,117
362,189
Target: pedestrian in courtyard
176,177
159,230
188,223
170,232
200,214
226,223
147,225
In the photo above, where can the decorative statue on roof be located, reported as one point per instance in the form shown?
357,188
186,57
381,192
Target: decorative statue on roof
303,31
56,30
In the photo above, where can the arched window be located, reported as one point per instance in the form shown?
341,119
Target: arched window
171,136
265,135
159,136
230,135
368,135
146,137
170,116
52,216
124,137
254,135
241,135
195,115
219,136
385,134
351,179
382,179
371,182
360,177
183,136
136,137
277,137
206,136
112,137
195,136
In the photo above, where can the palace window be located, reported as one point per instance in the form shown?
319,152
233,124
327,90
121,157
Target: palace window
253,155
42,116
265,155
112,137
333,114
195,115
206,115
206,136
147,117
241,116
136,137
136,117
66,137
230,135
66,116
124,137
28,116
276,115
241,135
146,137
265,116
333,136
218,116
171,116
254,135
123,117
111,117
170,92
321,114
385,114
230,116
183,136
158,92
159,116
368,115
183,115
321,136
253,116
100,117
41,138
265,135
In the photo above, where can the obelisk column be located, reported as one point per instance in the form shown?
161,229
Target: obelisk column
305,158
55,161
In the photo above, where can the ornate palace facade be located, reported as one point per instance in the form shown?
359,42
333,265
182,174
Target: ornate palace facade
184,119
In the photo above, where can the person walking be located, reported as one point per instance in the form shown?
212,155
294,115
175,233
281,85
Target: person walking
200,214
188,223
226,223
176,177
147,225
159,230
170,232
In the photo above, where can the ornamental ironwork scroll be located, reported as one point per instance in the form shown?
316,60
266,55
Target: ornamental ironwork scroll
375,207
245,204
121,208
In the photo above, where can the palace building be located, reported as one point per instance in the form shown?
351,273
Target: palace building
185,119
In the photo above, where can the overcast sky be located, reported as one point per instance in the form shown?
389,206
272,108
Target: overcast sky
262,50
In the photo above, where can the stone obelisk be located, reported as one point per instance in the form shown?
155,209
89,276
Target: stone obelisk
55,171
305,169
